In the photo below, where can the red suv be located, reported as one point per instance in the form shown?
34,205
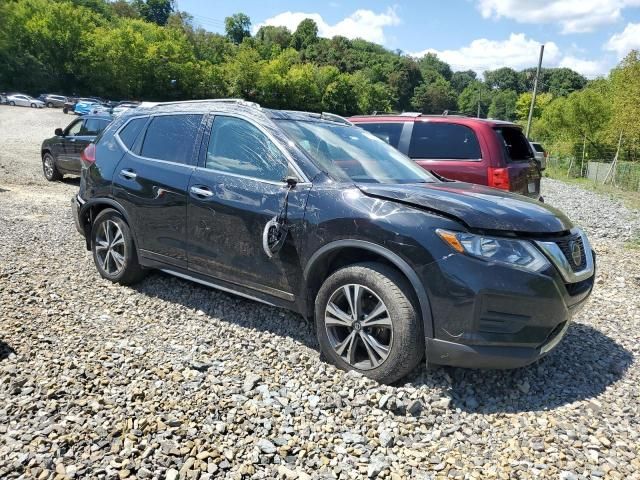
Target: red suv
474,150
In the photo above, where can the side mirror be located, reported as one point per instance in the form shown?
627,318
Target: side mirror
58,132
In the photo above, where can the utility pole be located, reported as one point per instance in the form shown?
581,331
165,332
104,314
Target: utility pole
535,91
478,108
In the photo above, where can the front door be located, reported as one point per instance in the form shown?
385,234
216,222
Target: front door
236,190
66,157
151,183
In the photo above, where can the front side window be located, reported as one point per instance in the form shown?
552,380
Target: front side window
239,148
171,137
443,141
74,129
350,153
388,132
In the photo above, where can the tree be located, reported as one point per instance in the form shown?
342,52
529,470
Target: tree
270,35
460,80
503,105
504,78
156,11
563,81
402,81
431,62
305,35
434,97
625,92
237,27
523,104
475,93
123,8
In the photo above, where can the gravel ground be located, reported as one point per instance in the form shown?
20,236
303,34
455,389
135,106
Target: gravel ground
172,380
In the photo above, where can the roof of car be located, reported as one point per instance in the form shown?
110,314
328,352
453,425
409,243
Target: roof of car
231,105
420,117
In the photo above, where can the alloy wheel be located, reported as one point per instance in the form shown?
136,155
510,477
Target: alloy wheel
48,166
359,326
110,247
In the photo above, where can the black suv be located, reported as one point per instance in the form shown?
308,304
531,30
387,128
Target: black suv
308,212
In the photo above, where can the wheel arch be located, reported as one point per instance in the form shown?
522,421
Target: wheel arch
339,253
90,210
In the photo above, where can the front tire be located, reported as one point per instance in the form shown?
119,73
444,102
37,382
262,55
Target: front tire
366,321
49,168
12,103
33,105
114,251
49,105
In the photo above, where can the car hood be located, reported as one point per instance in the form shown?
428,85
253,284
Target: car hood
476,206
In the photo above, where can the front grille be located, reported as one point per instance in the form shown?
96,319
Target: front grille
567,245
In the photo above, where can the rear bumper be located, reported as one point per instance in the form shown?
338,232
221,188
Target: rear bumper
76,204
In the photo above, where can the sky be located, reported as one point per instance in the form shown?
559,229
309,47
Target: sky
589,36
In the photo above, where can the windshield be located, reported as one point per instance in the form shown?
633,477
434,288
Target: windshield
351,153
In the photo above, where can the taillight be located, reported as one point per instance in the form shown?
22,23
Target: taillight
498,178
88,155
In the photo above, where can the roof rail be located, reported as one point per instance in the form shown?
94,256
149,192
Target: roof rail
240,101
335,118
453,113
411,114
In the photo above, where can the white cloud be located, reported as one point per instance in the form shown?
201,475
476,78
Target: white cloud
574,16
517,52
482,54
364,24
625,41
588,68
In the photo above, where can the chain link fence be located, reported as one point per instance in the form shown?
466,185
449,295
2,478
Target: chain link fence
620,174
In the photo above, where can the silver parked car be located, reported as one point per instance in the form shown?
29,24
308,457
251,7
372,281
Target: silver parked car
22,100
540,154
52,101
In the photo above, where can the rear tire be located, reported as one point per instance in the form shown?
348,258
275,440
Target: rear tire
384,346
12,103
65,110
33,105
113,248
49,105
49,168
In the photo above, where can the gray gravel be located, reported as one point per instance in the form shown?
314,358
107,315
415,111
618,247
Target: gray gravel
172,380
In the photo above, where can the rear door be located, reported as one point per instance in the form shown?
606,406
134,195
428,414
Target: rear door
236,189
151,182
524,173
449,149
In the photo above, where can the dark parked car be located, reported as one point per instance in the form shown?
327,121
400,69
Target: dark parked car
308,212
61,153
486,152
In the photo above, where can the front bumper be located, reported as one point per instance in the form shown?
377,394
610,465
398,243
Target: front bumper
493,316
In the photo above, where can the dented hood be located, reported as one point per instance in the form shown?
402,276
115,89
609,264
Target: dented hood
476,206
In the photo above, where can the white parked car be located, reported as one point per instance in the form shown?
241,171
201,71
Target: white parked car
24,101
540,154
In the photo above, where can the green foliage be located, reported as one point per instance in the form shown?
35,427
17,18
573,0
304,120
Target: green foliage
237,27
305,35
476,93
434,96
523,105
156,11
431,63
460,80
504,79
625,89
503,105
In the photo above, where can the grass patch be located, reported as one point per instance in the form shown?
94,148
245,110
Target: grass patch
633,244
629,199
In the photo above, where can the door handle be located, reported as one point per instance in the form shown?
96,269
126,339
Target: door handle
72,139
130,174
201,191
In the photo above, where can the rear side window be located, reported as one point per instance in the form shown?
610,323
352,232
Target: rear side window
516,146
93,126
171,137
443,141
389,132
538,147
240,148
131,130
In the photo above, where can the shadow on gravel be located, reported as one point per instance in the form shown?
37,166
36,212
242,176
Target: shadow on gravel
71,181
234,309
584,364
5,350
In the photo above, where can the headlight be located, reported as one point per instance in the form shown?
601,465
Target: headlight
519,253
